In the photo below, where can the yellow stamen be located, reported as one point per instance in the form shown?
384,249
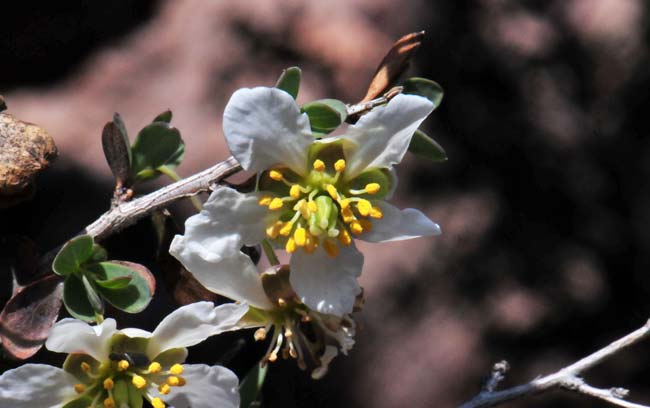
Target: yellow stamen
345,203
295,191
344,237
138,381
276,204
157,403
172,380
275,175
273,356
286,229
375,212
313,207
122,365
366,225
304,209
319,165
339,165
260,334
109,403
300,236
331,248
332,191
290,246
85,367
347,215
164,389
79,388
264,201
372,188
155,367
176,369
288,333
311,244
356,227
364,207
181,381
108,384
273,230
281,302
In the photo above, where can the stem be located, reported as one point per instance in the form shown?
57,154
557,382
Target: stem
169,172
270,253
99,318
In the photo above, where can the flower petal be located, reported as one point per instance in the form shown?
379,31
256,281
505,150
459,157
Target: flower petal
263,127
75,336
325,284
382,136
36,385
206,387
193,323
210,248
397,225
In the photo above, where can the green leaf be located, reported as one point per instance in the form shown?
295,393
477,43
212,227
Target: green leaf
133,297
325,115
251,385
99,254
289,81
157,144
423,146
76,301
93,298
424,87
72,255
166,117
115,283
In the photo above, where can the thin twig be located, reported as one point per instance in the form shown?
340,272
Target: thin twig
363,107
566,378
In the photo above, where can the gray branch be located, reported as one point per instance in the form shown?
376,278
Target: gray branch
567,378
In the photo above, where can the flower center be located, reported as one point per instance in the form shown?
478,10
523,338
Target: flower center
320,209
114,383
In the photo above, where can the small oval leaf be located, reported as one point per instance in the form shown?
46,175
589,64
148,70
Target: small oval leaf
325,115
116,283
72,255
424,87
166,117
289,81
157,144
117,152
76,301
133,297
423,146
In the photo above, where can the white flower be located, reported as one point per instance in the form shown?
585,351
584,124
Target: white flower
110,368
314,195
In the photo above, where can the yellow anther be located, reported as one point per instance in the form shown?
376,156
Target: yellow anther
290,246
138,381
345,203
319,165
332,191
157,403
295,191
311,244
276,175
288,333
313,207
276,204
273,356
176,369
347,215
331,248
85,367
300,236
173,380
264,201
79,388
286,229
122,365
164,389
260,334
364,207
154,367
181,381
109,403
281,302
344,237
356,227
108,384
372,188
273,230
339,165
366,225
304,209
375,212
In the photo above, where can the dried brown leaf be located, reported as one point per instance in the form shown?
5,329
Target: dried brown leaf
393,64
116,151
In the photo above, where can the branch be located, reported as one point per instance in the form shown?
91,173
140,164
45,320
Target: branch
567,378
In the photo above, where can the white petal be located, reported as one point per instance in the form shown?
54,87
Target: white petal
206,387
134,332
382,136
397,225
75,336
36,385
210,248
263,127
325,360
325,284
193,323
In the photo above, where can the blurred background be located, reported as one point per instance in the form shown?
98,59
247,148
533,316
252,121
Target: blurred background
544,201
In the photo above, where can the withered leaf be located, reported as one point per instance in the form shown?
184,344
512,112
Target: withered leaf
393,64
28,316
25,150
117,153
